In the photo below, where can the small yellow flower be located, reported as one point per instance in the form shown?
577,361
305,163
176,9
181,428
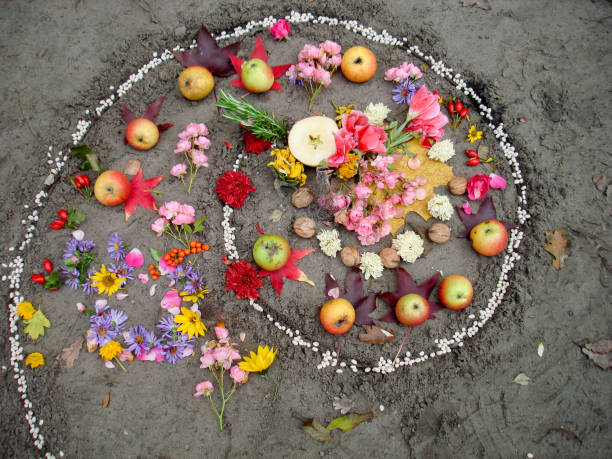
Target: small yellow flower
35,359
288,169
473,134
194,297
25,310
342,111
260,361
110,350
349,169
190,323
106,281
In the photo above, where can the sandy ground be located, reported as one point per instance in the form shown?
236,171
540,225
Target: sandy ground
543,67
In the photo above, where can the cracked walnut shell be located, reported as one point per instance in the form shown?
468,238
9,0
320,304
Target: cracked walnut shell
439,233
302,197
304,227
457,185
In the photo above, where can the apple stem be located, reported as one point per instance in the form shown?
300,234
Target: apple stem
401,345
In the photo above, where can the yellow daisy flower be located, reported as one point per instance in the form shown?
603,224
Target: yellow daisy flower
194,297
190,323
106,281
348,169
288,169
473,134
260,361
25,310
35,359
110,350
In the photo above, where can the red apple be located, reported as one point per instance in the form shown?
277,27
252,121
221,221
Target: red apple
257,76
142,134
412,309
358,64
271,252
455,292
489,237
112,188
337,316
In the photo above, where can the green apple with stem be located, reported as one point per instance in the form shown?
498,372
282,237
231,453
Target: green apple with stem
271,251
257,76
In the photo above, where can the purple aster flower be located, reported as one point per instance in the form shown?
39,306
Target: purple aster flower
137,339
71,246
122,270
403,92
195,281
152,342
178,274
72,279
168,326
115,247
85,245
101,309
101,330
117,318
87,285
175,350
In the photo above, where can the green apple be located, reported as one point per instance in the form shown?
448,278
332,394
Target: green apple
412,309
455,292
271,252
489,237
257,76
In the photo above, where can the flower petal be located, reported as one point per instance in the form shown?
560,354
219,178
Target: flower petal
135,259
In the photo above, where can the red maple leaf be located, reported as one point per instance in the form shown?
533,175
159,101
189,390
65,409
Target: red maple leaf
140,194
259,52
288,271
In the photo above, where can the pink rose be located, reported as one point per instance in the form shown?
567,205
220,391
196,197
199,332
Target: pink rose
154,355
371,138
497,182
178,169
478,186
307,71
362,191
203,388
159,225
280,29
353,120
203,129
238,374
330,47
339,202
202,142
355,215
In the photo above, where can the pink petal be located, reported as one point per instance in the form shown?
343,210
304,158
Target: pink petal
78,235
187,352
126,355
334,292
108,364
497,181
135,259
164,267
121,296
421,193
144,278
467,209
81,307
152,290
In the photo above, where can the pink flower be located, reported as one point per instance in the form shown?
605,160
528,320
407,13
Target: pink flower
223,357
365,226
202,142
478,186
321,76
345,141
362,191
336,60
154,355
182,146
169,210
172,301
194,129
144,278
238,374
280,29
412,70
308,52
408,197
199,158
424,104
306,71
203,129
396,74
371,138
222,334
178,169
330,47
430,127
159,226
203,388
134,258
207,358
497,182
353,120
355,215
339,202
467,209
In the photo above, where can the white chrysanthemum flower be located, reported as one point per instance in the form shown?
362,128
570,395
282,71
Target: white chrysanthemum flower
329,241
377,113
371,265
442,151
440,207
409,246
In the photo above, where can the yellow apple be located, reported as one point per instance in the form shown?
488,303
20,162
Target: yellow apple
196,82
337,316
358,64
142,134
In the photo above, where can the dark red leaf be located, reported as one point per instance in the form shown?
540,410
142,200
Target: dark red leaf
427,287
259,51
164,126
289,271
140,194
363,308
353,286
128,115
434,307
389,317
153,109
209,55
330,284
486,211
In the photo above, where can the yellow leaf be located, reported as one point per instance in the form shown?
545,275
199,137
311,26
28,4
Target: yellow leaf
37,324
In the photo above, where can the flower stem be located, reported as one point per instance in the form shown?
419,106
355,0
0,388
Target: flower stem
120,364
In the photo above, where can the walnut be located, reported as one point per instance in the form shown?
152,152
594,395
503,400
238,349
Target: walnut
439,233
389,257
304,227
302,198
457,185
350,256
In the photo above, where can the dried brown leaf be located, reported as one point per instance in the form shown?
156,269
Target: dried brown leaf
600,352
600,182
376,335
71,353
483,4
603,346
483,151
132,167
317,430
106,400
349,421
557,245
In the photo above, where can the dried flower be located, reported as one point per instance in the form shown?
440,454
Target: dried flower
371,265
349,168
288,170
409,246
342,111
233,188
377,113
440,207
242,278
442,151
329,241
473,135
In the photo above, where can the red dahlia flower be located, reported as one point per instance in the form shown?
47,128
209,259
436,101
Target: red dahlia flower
233,188
242,278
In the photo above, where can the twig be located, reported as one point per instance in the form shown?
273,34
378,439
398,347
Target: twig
25,119
401,345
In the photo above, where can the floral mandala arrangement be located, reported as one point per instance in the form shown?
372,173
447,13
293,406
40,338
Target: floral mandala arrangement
384,172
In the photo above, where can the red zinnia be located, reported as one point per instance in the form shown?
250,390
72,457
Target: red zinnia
233,188
253,143
242,278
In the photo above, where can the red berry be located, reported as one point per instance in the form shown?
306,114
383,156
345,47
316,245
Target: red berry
451,107
63,214
38,278
458,106
59,222
463,113
473,161
471,153
55,226
85,179
47,265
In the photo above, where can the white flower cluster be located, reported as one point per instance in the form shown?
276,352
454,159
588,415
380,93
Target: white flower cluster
442,151
409,246
329,241
440,207
371,265
377,113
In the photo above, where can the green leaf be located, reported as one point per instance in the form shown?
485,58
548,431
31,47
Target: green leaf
187,228
75,218
81,151
92,159
156,254
85,166
316,430
36,325
51,281
347,422
198,225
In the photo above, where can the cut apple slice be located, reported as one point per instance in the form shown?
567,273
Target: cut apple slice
311,140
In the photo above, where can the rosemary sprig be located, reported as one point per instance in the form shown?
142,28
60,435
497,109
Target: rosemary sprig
261,123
